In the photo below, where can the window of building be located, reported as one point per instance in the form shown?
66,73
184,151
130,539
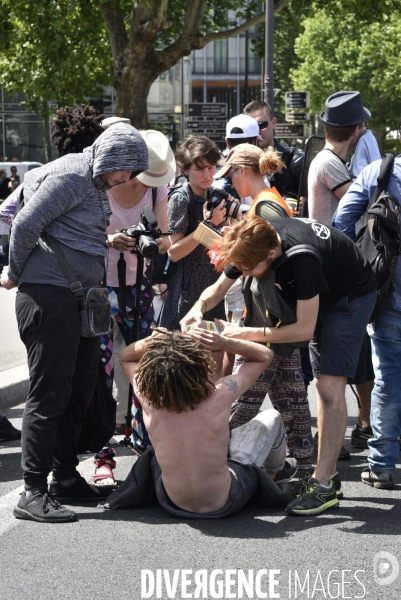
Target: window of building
221,56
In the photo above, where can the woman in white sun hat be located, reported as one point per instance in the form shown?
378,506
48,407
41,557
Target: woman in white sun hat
127,201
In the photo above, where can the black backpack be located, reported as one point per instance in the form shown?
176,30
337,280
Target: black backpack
268,306
379,240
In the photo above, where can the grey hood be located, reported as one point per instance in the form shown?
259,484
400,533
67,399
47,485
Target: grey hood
119,148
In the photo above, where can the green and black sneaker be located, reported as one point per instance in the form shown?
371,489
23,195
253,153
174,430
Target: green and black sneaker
314,499
299,486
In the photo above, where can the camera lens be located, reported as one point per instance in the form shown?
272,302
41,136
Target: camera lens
232,208
148,246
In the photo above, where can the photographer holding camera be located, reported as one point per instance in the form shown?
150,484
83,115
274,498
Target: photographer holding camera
197,158
149,189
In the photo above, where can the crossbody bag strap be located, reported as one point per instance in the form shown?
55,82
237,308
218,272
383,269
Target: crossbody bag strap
74,284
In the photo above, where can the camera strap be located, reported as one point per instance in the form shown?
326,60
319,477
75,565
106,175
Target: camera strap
122,284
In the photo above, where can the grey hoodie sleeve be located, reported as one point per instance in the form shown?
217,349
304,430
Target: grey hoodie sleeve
53,198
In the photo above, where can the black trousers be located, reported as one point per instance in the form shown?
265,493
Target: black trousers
62,370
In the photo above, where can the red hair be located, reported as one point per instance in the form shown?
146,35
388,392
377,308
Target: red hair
248,242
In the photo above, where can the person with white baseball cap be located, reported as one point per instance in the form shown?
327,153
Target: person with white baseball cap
241,129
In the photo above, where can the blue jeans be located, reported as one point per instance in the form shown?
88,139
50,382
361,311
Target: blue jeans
386,396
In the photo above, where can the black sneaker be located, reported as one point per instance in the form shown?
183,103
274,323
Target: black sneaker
44,509
79,491
288,471
382,481
8,432
344,452
360,436
299,486
314,499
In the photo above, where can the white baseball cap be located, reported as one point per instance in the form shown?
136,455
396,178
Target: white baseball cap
247,124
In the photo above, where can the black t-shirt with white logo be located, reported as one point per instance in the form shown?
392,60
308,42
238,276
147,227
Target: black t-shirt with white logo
344,271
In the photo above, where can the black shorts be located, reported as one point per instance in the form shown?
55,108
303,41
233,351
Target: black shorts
364,369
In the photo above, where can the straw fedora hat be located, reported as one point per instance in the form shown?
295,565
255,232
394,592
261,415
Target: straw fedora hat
161,159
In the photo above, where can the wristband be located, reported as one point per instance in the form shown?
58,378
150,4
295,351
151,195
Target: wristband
204,301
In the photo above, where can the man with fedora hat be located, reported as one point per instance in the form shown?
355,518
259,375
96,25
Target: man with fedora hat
344,120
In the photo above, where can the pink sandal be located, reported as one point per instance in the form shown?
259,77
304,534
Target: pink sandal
105,463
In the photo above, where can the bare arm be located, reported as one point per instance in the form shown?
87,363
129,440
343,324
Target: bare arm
130,357
299,331
182,245
211,296
257,356
339,192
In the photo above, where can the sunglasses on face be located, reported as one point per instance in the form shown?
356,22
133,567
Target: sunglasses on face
263,124
229,175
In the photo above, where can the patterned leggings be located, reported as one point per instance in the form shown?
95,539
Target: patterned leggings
140,435
283,382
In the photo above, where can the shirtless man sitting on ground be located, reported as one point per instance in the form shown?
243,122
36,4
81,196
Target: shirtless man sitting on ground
187,419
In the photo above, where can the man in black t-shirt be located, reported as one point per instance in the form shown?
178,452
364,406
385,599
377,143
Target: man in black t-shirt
333,302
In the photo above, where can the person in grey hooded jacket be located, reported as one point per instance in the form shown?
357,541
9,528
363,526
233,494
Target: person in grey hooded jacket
66,199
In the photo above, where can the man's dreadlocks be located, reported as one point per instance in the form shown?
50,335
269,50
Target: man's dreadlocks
174,372
76,128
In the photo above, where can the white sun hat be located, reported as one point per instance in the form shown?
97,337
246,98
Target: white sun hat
161,159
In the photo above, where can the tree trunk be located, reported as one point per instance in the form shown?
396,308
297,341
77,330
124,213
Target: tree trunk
132,95
380,135
132,83
46,132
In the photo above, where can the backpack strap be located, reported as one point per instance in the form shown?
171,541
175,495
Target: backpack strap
154,197
383,177
295,250
193,220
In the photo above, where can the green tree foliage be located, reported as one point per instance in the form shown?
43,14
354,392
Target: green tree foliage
353,45
63,50
53,51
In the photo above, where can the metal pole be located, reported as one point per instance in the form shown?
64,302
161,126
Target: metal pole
182,100
238,109
268,78
246,85
3,121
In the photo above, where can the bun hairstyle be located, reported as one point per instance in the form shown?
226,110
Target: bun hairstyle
270,162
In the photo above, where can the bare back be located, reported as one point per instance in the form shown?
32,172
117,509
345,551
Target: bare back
191,448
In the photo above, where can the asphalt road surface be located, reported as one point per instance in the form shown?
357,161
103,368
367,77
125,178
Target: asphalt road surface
352,552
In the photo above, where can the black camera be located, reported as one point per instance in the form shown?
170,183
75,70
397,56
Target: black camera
146,233
233,209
